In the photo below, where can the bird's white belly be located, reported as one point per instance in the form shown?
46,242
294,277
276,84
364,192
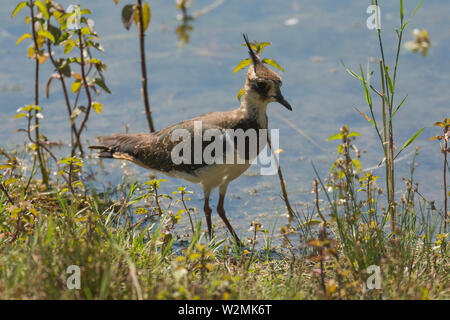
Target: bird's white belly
212,176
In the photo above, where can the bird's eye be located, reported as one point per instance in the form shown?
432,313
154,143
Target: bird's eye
261,85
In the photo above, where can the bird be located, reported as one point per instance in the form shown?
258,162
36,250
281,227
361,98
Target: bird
155,150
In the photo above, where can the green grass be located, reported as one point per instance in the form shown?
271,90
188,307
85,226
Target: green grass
122,259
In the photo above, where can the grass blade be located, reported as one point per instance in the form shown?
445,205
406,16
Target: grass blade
365,116
401,10
351,72
399,106
417,8
410,140
366,91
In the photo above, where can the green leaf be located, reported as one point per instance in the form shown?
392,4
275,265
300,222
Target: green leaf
76,86
253,46
401,10
146,15
357,165
43,8
64,67
242,65
55,32
417,8
141,211
69,46
85,11
366,92
351,72
9,181
29,108
101,84
22,37
407,143
443,124
264,44
97,107
391,85
399,106
272,63
71,160
353,134
47,34
335,136
128,12
240,93
311,222
20,115
85,31
19,7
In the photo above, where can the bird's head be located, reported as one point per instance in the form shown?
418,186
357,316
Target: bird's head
262,83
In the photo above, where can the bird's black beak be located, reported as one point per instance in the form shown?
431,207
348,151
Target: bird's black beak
280,99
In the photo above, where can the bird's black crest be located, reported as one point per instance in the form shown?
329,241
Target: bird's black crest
251,52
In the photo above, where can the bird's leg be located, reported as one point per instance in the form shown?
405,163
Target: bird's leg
208,211
222,214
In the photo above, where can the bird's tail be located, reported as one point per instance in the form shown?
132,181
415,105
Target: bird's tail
119,146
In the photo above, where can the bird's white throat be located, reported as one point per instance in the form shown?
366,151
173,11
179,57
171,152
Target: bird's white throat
254,107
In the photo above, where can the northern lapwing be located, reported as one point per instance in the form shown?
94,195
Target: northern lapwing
155,150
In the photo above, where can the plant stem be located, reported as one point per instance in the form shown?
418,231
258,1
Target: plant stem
85,85
316,190
387,158
155,189
392,205
144,68
188,213
446,133
282,182
44,172
14,237
66,98
5,191
253,248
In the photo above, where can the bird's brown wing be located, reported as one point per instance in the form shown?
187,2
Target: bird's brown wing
153,150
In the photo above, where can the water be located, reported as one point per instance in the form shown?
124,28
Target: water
309,39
